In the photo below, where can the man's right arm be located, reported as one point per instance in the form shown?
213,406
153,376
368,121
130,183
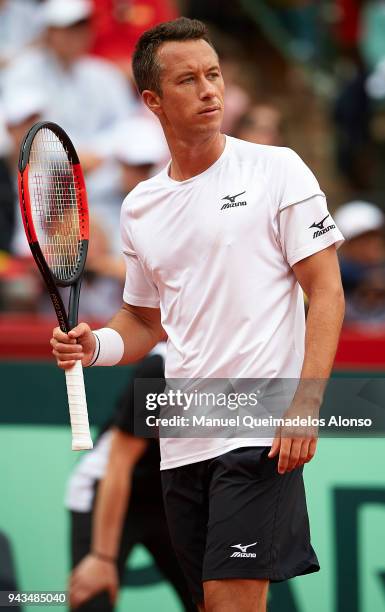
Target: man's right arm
140,328
98,570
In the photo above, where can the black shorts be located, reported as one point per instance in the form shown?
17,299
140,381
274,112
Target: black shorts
234,516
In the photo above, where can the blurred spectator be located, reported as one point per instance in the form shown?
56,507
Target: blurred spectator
4,138
348,23
140,148
19,282
356,110
7,208
237,99
104,276
131,152
20,113
7,224
362,259
373,47
375,83
119,23
85,95
19,26
372,39
352,115
301,21
261,124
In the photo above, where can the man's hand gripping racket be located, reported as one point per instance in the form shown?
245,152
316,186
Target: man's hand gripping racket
54,208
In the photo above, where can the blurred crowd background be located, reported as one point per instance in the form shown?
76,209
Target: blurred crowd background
303,74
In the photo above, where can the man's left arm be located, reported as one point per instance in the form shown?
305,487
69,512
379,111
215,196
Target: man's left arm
319,277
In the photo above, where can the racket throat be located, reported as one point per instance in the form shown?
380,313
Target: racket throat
73,305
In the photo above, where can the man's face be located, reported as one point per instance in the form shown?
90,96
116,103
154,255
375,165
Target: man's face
192,88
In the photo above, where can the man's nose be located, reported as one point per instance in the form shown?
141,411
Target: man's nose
207,89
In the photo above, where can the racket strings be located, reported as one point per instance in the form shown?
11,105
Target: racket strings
54,195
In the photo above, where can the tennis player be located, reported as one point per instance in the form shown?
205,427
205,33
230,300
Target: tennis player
219,246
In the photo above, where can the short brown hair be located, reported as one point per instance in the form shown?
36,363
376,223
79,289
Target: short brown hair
145,65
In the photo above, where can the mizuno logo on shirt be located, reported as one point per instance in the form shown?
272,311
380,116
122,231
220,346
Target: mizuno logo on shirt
243,549
231,201
320,227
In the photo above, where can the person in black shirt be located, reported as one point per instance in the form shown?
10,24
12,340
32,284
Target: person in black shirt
115,500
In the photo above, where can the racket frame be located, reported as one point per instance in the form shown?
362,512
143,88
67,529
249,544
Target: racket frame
66,322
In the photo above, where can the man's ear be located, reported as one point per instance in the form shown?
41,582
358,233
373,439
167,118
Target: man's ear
152,101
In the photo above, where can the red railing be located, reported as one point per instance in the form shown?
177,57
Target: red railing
27,337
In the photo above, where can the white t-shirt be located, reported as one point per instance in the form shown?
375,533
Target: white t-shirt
214,253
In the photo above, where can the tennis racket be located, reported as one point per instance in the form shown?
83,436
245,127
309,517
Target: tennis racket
53,203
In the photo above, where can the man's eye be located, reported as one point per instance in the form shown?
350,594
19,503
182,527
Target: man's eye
188,80
213,75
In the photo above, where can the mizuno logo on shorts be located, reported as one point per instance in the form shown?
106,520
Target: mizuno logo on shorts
243,552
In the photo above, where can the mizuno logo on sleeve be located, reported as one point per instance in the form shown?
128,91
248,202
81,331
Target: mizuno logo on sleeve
320,229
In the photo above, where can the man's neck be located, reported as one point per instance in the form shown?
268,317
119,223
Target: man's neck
190,159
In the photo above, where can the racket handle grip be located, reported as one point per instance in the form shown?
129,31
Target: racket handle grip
81,437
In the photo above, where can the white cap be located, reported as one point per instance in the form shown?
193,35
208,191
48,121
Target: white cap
358,217
20,104
139,141
375,83
64,13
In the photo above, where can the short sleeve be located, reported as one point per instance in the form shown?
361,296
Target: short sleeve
293,180
307,228
139,288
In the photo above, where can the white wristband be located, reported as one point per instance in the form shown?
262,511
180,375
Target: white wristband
109,348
